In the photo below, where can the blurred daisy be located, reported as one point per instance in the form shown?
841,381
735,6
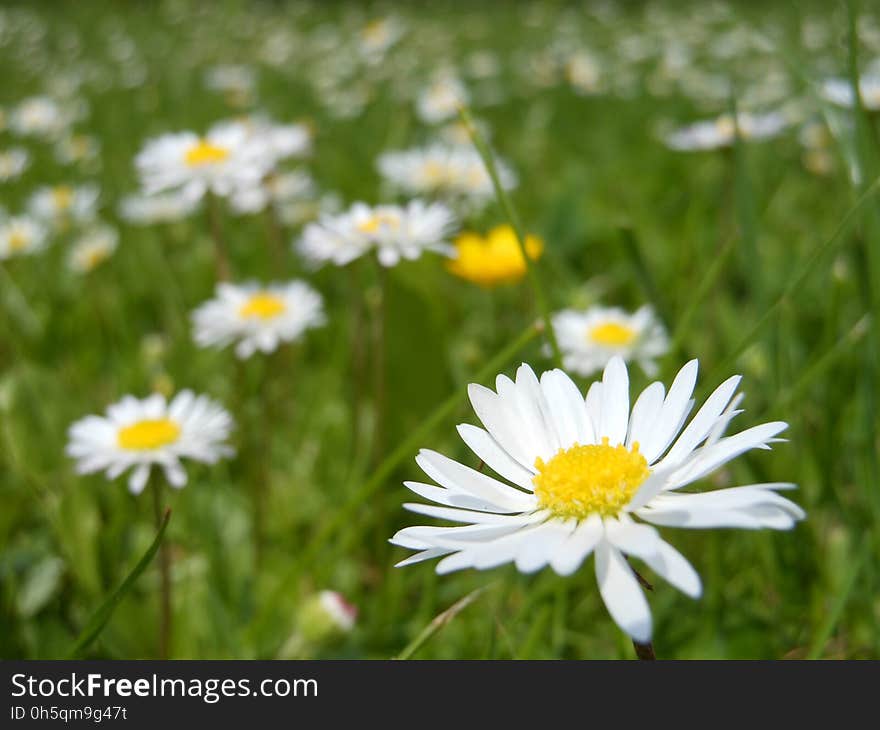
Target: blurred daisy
840,91
21,236
445,170
395,232
589,339
377,36
257,318
13,162
140,433
161,208
275,190
62,204
237,83
442,99
93,248
494,259
588,474
76,148
273,142
721,132
38,116
223,160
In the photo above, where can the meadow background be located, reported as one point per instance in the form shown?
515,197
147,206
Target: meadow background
754,257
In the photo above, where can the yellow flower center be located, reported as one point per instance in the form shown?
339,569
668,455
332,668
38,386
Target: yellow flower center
94,256
262,306
149,434
612,334
585,480
205,153
435,173
377,220
18,240
62,197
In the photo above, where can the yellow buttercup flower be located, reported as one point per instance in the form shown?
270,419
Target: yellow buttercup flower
494,259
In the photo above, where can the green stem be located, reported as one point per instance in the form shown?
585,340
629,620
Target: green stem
221,256
164,574
512,216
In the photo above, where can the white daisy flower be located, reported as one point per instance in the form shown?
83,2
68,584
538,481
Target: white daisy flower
140,433
20,236
225,159
589,339
274,190
38,116
92,248
161,208
395,232
377,36
257,317
721,132
840,91
443,169
13,162
274,142
441,100
62,204
588,474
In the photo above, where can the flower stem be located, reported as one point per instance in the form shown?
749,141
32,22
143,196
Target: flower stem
507,206
164,575
221,256
379,381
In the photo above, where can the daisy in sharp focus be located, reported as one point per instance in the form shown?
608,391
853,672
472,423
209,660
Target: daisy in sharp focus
589,339
21,236
494,259
582,475
394,232
256,317
141,433
224,159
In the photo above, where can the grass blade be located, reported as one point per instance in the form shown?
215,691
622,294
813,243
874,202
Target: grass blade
438,622
103,614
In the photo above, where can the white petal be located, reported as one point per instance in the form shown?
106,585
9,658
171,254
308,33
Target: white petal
672,413
567,409
614,411
621,593
138,479
645,413
702,424
455,476
494,456
570,554
542,544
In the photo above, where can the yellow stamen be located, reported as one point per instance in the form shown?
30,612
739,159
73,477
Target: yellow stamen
612,334
149,434
585,480
18,240
376,221
205,153
263,305
62,196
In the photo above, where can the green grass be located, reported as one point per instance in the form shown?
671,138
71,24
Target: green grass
756,265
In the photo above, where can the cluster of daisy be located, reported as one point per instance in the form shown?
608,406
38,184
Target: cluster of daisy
61,212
